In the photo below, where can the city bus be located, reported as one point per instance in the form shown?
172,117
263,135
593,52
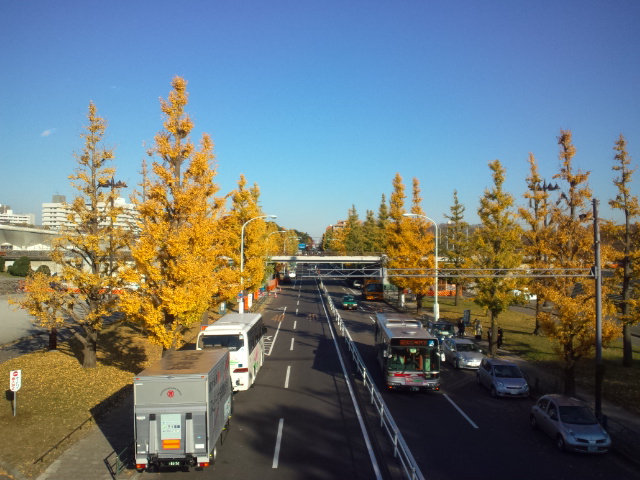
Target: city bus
408,354
243,335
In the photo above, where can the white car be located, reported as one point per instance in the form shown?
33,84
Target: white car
462,353
525,294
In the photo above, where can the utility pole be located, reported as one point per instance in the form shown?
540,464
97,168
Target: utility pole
598,280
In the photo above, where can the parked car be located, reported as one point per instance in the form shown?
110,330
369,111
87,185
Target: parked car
462,353
524,294
571,423
349,302
502,378
442,330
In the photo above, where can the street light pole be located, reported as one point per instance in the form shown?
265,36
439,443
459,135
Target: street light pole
436,307
241,306
598,279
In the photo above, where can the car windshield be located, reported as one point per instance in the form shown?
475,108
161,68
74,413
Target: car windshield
348,298
577,415
232,342
467,347
507,371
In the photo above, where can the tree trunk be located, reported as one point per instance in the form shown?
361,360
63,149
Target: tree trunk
493,338
569,374
53,338
627,346
458,293
536,330
419,297
90,344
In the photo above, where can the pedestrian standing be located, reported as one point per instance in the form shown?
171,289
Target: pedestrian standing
478,326
500,333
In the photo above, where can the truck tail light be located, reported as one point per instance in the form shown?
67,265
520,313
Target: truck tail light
141,466
241,370
203,464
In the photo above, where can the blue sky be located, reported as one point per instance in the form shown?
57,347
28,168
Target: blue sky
322,102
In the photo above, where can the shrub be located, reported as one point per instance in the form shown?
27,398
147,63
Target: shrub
44,269
21,267
1,264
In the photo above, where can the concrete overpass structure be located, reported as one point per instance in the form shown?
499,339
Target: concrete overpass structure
26,238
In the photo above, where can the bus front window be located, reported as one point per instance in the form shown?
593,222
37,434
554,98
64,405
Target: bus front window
413,360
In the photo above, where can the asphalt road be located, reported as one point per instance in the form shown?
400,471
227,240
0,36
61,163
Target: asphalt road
462,432
299,420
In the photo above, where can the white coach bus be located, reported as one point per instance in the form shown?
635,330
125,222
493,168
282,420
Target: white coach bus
243,335
408,354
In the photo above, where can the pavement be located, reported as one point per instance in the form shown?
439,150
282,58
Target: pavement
93,456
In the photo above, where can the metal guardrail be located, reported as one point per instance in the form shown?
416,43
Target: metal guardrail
400,449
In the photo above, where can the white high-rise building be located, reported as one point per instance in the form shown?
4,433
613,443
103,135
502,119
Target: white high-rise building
55,215
9,218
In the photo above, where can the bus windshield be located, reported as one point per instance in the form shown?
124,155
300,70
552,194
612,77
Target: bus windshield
413,359
232,342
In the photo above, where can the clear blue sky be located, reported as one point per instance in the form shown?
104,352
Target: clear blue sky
321,102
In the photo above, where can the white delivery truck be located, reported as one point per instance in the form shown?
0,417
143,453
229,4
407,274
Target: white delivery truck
181,406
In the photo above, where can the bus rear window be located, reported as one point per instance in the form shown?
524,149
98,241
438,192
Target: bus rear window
232,342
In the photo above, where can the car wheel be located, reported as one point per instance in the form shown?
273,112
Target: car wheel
533,422
494,394
560,443
478,378
457,364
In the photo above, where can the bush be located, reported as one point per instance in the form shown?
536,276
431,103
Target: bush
44,269
21,267
1,264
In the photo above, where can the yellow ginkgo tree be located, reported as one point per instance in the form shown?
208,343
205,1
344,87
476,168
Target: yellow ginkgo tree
88,252
181,255
250,227
410,244
572,322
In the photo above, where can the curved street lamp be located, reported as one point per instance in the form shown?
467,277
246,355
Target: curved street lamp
436,307
241,307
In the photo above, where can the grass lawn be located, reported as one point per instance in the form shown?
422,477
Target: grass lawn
58,395
621,385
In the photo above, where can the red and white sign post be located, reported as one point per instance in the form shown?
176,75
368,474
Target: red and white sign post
15,382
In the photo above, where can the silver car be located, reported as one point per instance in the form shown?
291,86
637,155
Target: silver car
502,378
571,423
462,353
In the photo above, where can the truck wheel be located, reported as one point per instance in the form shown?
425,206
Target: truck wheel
212,457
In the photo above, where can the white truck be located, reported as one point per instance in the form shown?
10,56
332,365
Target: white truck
182,404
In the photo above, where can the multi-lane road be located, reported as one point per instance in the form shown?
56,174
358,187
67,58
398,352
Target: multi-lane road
306,417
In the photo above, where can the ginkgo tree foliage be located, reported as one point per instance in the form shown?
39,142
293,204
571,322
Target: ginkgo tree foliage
410,243
245,210
538,232
496,248
571,324
181,256
456,247
88,252
627,245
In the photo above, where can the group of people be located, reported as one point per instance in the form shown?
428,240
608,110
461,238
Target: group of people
478,332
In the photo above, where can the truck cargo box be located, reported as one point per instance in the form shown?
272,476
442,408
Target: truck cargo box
181,406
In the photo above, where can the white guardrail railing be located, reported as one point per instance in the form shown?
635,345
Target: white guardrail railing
400,448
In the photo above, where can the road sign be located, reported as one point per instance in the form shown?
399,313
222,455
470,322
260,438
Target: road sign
302,246
15,380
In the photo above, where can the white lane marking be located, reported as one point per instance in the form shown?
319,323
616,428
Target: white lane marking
367,440
295,322
298,303
286,379
460,411
296,311
274,340
292,344
373,320
276,454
